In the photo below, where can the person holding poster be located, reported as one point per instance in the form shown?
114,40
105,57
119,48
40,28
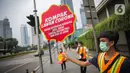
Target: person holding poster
62,60
109,60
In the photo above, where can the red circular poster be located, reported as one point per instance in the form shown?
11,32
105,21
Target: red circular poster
58,22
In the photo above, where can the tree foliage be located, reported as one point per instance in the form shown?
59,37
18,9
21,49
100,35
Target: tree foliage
8,44
11,43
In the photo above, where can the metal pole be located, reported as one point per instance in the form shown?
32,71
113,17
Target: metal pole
50,52
37,33
34,71
94,30
57,46
27,71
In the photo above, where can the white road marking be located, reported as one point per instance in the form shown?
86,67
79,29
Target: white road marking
1,66
21,61
37,68
15,67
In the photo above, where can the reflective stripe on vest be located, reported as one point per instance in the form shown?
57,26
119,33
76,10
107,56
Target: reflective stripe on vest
116,66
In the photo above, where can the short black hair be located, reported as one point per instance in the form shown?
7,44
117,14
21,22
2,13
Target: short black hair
110,35
76,42
80,42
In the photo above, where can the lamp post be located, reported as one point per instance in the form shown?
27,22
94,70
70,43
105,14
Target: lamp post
37,34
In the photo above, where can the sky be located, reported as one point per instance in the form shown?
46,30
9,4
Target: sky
17,10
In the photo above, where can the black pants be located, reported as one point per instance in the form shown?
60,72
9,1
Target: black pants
63,65
82,68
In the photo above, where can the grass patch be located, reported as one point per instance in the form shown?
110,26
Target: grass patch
44,49
18,54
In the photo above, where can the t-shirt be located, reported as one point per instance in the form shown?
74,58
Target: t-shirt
125,68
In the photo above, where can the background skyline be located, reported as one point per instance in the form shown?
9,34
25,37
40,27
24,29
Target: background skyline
17,10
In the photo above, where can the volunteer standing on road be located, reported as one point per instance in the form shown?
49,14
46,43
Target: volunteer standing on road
82,54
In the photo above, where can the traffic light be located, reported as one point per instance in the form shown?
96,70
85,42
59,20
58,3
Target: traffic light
38,25
32,22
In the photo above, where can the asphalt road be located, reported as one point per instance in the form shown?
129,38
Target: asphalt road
19,64
71,67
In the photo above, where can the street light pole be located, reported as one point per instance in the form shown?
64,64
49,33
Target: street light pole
57,46
37,34
50,51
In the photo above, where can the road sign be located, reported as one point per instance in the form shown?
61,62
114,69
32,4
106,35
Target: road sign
58,22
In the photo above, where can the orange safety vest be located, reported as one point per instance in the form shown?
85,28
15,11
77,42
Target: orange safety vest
82,50
115,67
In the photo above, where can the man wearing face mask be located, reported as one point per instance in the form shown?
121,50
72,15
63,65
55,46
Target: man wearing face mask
109,60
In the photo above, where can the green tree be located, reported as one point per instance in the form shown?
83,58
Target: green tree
8,44
1,43
15,42
1,39
11,44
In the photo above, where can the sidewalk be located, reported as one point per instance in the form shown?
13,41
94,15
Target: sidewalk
71,67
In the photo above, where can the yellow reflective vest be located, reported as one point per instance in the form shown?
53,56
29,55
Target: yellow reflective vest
115,67
82,50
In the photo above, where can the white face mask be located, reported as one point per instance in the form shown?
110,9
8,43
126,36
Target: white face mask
103,46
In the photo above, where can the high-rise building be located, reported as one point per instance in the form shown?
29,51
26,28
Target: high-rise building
1,28
69,3
82,15
85,25
5,30
34,38
24,36
90,12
